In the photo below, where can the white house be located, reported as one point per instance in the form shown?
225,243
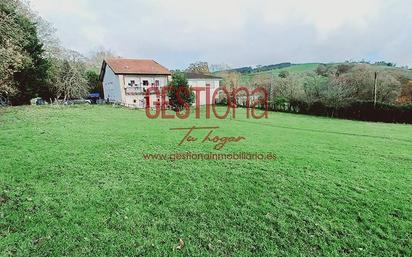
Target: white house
125,81
203,81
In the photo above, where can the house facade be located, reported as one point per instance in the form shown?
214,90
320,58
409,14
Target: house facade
125,81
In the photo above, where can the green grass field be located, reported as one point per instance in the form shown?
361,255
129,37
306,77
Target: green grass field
73,181
295,68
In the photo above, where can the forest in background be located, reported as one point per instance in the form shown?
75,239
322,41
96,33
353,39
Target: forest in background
33,63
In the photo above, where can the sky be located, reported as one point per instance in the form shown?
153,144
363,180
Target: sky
236,32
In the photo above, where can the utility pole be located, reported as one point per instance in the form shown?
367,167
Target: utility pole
375,89
271,97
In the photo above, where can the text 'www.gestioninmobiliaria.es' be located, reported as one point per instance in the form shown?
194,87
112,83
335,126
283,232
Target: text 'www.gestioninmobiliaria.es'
209,156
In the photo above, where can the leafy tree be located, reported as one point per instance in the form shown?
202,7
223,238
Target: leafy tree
12,56
383,63
283,74
180,95
93,82
24,71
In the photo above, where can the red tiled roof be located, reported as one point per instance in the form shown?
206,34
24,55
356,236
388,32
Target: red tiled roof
136,66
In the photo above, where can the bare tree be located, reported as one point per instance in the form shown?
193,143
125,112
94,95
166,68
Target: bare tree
336,94
388,88
96,58
199,67
290,87
312,86
219,67
70,81
231,79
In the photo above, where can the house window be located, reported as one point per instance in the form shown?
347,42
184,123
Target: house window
145,83
157,83
132,83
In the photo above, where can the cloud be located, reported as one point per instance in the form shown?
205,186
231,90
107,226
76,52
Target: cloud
239,32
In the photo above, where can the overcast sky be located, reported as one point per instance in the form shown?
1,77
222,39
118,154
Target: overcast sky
236,32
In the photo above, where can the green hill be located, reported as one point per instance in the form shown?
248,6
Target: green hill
304,67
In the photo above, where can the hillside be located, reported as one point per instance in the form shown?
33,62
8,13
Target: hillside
246,78
304,67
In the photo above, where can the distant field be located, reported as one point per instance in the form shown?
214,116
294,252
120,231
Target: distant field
306,67
73,181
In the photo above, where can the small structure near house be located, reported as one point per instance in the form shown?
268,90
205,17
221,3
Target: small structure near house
203,81
125,81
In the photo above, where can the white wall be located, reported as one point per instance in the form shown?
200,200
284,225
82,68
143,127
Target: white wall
214,84
111,86
138,100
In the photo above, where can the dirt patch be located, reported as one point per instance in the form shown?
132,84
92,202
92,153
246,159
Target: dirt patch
3,199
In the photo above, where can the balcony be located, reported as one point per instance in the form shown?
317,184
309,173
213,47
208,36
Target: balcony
134,90
142,90
153,89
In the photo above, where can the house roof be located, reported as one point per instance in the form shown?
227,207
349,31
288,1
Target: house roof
192,75
136,66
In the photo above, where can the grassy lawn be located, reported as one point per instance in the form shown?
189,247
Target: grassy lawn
295,68
73,181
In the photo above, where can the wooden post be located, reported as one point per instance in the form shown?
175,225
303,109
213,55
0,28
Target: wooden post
375,89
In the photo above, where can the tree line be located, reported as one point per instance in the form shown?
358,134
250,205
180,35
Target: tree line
364,91
34,64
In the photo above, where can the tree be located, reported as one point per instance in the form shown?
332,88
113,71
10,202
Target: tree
24,70
343,68
383,63
326,70
283,74
69,80
290,87
93,82
389,88
231,79
219,67
312,86
12,56
406,93
199,67
335,94
95,60
180,95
